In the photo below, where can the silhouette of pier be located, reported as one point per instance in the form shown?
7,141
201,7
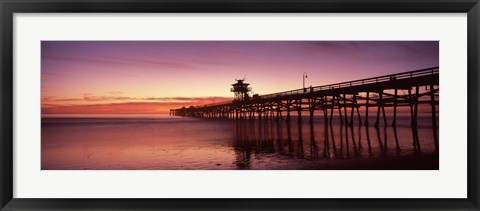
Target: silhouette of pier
407,89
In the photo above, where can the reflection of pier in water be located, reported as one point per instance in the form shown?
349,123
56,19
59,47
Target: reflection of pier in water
254,138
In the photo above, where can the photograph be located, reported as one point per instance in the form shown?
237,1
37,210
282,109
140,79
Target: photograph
240,105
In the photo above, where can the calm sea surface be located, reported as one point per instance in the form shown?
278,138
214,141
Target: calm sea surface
164,143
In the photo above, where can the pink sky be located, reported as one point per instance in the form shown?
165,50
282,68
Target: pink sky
109,77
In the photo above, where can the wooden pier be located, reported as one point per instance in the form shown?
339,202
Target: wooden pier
351,100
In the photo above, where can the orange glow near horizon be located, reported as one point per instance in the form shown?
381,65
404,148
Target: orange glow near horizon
120,106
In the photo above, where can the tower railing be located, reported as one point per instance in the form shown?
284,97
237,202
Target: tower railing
247,89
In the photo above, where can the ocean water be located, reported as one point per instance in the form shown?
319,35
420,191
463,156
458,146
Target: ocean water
161,142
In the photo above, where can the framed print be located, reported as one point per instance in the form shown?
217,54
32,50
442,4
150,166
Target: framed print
257,105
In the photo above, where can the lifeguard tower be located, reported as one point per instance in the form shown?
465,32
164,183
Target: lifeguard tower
241,90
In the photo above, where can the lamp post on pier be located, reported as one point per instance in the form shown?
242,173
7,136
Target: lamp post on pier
304,76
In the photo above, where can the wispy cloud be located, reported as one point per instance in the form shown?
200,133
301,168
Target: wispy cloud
106,98
89,97
163,64
88,60
130,61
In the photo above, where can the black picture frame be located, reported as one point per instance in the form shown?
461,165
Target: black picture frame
9,7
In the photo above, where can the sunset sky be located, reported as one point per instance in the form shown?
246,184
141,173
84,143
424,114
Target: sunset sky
148,77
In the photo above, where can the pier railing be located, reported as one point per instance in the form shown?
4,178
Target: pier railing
216,104
374,80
